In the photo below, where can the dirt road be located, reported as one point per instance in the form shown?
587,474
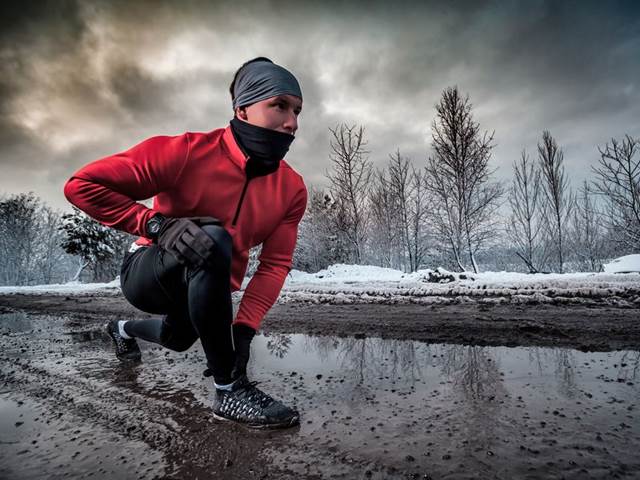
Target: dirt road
582,328
384,391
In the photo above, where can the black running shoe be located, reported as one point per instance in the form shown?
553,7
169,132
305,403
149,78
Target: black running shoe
250,406
127,349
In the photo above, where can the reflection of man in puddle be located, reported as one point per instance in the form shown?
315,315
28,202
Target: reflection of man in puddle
216,195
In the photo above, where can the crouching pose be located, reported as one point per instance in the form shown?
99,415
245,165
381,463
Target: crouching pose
216,195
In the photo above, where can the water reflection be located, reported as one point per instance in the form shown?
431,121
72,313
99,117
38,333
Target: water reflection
17,322
564,367
366,358
473,369
565,372
278,344
83,336
629,366
475,372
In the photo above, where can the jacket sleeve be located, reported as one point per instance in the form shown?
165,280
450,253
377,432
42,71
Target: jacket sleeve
275,263
108,189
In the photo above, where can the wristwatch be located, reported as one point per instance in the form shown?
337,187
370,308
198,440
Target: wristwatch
153,226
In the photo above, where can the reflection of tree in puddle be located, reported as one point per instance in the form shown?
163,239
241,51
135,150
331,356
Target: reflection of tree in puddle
564,363
369,358
536,357
628,366
324,347
278,344
475,374
11,323
473,369
565,371
18,324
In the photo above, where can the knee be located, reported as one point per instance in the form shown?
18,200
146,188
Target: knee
179,345
223,243
174,341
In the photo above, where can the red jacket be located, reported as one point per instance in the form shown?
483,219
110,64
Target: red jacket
202,174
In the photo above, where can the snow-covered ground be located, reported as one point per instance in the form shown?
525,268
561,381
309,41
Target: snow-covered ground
369,284
628,263
69,288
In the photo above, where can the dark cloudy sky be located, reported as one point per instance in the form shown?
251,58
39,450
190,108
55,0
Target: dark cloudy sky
81,80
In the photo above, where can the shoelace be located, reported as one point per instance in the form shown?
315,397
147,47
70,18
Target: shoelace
249,391
124,343
252,393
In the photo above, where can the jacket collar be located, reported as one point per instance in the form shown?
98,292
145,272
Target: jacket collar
235,154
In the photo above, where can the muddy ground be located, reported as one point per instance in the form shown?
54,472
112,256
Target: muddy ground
599,328
385,391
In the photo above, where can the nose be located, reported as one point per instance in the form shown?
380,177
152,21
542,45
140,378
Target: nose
291,123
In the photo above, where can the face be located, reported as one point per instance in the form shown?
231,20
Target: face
277,113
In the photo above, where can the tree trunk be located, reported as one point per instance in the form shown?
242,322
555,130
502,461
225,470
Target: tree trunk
83,265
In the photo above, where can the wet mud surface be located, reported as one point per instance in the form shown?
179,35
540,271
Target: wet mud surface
409,405
601,328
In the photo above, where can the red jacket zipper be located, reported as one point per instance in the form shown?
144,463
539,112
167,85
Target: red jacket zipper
244,189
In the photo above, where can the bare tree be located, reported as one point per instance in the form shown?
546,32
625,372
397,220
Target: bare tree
465,201
385,236
349,179
557,196
400,189
418,214
587,229
618,181
408,193
524,226
49,252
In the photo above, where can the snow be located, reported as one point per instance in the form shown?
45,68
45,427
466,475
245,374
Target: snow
348,273
628,263
350,284
346,284
69,288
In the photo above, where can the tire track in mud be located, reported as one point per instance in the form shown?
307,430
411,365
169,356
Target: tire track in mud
175,423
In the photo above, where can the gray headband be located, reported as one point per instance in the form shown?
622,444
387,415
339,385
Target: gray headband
261,80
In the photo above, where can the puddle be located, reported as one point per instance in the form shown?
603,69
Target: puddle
371,408
463,411
15,323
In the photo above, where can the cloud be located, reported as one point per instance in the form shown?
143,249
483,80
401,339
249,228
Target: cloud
85,79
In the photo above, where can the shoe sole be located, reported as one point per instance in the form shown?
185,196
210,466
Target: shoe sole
137,356
260,426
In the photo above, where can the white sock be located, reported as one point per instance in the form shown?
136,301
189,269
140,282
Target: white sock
223,387
121,331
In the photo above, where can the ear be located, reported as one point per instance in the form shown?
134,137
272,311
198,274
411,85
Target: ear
241,113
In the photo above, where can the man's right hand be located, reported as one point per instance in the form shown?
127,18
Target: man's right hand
242,337
185,240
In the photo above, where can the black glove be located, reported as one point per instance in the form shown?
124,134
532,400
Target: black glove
242,336
185,240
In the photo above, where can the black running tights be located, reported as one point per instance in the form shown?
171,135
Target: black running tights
194,302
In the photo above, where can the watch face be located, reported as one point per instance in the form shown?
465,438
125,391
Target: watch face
153,227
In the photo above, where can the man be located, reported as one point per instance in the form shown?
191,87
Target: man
216,195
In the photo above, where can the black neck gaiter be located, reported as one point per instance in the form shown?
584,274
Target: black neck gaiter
264,147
